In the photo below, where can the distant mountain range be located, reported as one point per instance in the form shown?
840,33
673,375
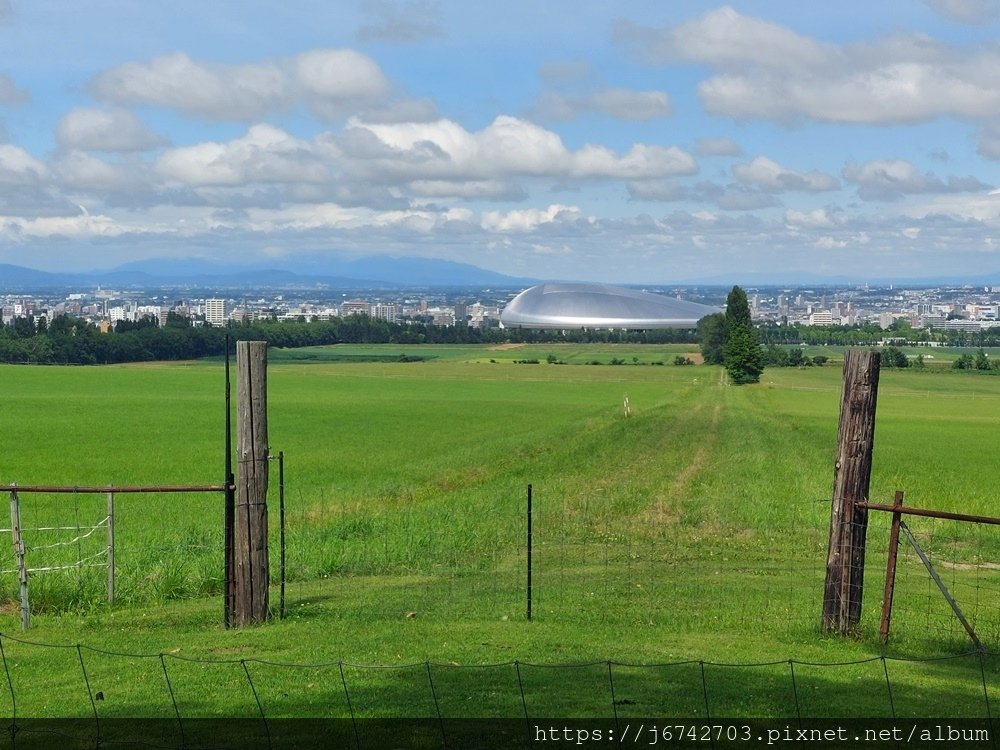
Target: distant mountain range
341,272
303,271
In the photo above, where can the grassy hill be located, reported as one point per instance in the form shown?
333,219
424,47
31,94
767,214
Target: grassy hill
693,530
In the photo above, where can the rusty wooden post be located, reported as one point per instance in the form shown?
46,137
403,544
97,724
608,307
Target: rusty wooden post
890,570
250,528
845,564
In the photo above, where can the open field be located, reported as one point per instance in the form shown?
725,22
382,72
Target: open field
693,530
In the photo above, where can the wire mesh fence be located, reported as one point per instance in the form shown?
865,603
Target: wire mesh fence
112,685
966,558
599,558
79,548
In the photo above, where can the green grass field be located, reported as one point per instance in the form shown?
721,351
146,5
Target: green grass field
694,529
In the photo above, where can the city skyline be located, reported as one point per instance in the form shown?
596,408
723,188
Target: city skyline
629,143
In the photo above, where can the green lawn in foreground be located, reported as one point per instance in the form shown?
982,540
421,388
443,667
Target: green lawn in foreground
694,529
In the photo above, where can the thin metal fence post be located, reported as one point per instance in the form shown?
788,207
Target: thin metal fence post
111,547
281,521
13,695
890,570
529,553
22,568
350,707
888,687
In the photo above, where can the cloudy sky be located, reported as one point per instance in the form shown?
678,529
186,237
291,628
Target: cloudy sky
630,142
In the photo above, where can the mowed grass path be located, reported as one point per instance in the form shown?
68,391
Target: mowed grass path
694,529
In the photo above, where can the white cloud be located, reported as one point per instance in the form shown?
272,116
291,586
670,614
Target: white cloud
469,189
509,146
104,130
621,104
332,81
641,161
657,190
726,37
769,175
528,220
816,219
989,143
891,179
401,22
10,94
266,154
978,209
830,243
568,71
322,79
79,170
967,11
718,147
740,198
766,71
83,226
18,167
212,90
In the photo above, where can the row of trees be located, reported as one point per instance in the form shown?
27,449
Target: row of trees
870,334
893,357
729,339
69,340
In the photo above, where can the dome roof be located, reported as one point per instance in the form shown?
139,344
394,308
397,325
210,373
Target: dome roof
565,306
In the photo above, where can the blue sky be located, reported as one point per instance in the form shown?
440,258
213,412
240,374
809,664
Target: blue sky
627,142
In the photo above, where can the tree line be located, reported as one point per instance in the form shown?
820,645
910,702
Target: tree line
729,339
70,340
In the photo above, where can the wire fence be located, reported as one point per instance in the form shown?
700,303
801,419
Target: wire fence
176,688
601,558
162,547
966,559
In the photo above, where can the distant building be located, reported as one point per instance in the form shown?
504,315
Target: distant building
962,325
128,312
355,307
153,311
570,306
215,312
384,311
821,318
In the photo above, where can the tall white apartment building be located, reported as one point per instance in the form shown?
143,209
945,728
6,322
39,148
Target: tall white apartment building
215,312
385,311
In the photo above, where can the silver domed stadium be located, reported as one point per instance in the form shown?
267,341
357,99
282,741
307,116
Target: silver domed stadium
568,306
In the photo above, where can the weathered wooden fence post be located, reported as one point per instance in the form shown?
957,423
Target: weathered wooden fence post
250,528
845,563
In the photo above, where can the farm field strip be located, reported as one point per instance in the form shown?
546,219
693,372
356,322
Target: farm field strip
694,529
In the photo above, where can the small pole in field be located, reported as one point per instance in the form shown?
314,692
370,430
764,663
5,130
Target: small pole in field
111,547
22,568
281,520
529,551
890,570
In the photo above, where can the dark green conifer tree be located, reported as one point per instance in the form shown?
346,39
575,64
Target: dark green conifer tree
741,356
